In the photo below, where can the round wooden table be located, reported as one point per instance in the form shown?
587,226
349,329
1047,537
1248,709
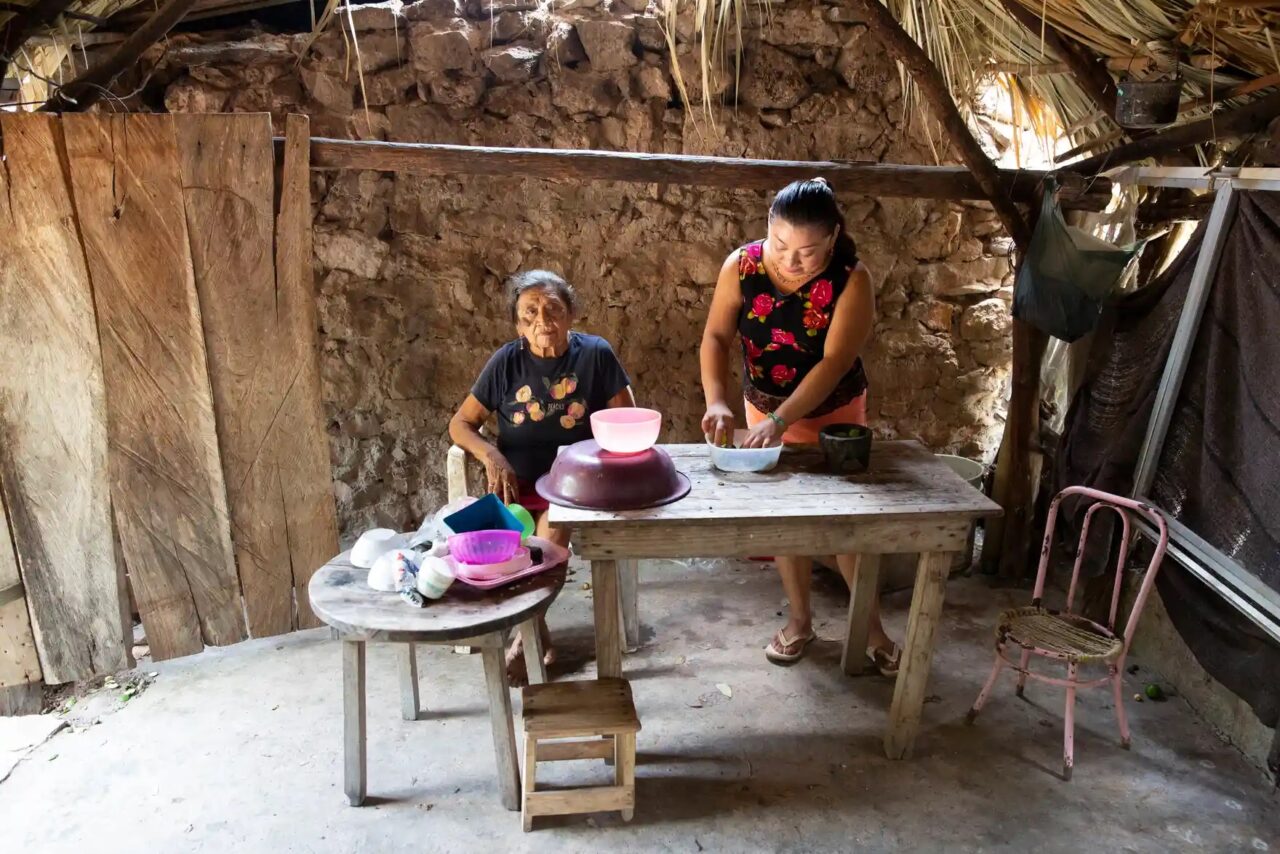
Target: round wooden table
340,596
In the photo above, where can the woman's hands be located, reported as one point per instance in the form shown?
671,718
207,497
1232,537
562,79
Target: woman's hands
718,424
501,476
766,434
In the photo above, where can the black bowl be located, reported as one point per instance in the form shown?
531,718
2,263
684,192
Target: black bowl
847,448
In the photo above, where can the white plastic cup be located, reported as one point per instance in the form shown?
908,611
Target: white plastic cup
434,577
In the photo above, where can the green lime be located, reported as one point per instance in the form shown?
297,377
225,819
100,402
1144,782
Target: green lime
1154,692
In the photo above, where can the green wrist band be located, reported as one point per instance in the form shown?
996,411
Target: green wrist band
777,419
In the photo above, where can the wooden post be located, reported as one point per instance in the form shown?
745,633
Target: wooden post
504,734
862,598
355,743
604,596
410,704
917,654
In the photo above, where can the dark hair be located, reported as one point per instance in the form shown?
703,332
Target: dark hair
540,280
813,203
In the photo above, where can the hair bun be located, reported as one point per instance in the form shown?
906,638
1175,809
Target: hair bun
823,181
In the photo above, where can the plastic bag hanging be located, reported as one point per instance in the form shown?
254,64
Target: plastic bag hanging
1067,274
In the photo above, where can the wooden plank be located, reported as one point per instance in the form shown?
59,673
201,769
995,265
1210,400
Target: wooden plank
567,751
864,178
917,654
504,734
534,655
53,434
604,599
19,665
410,704
310,510
355,744
260,333
580,801
814,536
866,589
625,771
167,491
579,708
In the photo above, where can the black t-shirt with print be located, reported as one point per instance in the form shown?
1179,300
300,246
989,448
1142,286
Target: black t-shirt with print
543,404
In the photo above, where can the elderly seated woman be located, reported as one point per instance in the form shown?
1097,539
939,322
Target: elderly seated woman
543,386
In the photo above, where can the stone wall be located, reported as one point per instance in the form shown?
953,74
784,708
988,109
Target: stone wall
409,268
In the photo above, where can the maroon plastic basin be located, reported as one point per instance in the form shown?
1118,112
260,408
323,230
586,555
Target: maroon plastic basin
589,478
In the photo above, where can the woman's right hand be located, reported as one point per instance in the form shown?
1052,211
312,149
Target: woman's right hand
501,476
718,423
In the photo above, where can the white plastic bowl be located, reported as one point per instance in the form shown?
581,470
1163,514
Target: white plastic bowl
743,459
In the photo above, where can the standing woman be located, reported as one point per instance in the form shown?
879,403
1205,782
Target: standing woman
804,307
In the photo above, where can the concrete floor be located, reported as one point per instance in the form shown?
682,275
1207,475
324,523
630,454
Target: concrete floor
239,750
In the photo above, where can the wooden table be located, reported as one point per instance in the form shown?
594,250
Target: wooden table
341,596
908,502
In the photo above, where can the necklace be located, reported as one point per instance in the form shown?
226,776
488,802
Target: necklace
791,285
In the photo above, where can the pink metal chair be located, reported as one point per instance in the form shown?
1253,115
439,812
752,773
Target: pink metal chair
1069,637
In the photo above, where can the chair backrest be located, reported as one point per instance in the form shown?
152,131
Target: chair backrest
1122,507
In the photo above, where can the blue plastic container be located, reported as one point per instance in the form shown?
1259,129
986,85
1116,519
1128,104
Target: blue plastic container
486,514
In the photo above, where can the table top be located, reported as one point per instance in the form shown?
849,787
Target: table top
904,481
341,596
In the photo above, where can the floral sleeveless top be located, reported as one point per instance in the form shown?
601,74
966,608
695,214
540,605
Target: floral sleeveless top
783,335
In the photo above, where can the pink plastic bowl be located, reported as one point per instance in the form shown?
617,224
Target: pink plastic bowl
626,430
484,547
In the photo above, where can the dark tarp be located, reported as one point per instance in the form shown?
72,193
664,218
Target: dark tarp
1219,472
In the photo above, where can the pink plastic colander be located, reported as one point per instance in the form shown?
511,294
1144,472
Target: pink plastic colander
484,547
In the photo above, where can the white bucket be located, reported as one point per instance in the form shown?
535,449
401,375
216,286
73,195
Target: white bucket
898,571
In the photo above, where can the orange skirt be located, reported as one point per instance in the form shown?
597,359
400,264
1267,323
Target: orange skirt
805,431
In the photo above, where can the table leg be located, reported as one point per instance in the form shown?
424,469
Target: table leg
353,722
629,587
531,642
604,595
862,598
409,702
913,674
504,734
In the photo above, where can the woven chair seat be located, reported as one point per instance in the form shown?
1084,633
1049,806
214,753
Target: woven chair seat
1065,636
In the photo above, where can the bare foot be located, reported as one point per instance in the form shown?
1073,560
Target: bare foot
517,670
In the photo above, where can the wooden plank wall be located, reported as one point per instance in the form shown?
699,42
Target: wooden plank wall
53,436
163,317
19,665
167,489
261,335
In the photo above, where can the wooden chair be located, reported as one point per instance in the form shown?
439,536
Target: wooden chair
461,483
1069,638
580,720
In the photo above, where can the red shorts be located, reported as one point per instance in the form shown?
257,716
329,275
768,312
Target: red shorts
530,499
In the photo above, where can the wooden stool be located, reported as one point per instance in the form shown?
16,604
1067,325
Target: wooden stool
589,720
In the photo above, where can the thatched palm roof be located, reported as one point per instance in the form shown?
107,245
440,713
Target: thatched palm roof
1216,45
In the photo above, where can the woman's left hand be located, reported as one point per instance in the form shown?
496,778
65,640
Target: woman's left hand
766,434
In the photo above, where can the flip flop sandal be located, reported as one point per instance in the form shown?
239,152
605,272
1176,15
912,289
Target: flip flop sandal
886,662
776,651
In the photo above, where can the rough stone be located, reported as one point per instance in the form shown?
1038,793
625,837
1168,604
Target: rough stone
373,16
479,9
564,46
936,240
360,199
434,51
512,64
378,50
520,100
456,91
392,86
800,27
609,44
653,82
190,96
985,321
430,10
715,84
649,33
356,253
332,93
579,92
507,27
773,80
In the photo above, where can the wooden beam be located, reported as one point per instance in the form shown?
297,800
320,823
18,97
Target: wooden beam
1251,117
89,87
1246,88
933,88
1092,76
877,179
